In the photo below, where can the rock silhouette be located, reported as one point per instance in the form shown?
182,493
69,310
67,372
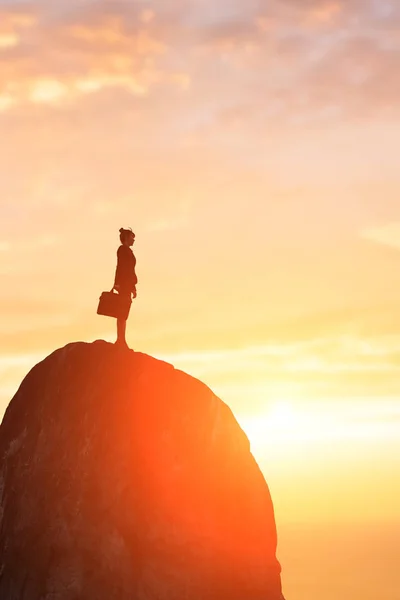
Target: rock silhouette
123,478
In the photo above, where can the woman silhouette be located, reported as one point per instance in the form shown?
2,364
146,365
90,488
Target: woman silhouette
125,280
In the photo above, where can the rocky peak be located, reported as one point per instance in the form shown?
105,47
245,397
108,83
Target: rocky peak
124,478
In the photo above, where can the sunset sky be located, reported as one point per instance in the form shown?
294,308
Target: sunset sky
253,147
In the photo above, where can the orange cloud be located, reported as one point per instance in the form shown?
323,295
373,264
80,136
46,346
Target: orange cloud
325,13
59,62
8,40
12,25
316,48
12,20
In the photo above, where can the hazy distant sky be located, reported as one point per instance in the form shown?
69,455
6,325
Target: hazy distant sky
253,148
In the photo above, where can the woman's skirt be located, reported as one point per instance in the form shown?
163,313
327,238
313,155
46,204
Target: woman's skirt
126,303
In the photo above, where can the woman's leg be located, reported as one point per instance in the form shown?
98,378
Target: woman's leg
121,330
121,322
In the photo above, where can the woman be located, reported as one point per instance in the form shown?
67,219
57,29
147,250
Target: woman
125,280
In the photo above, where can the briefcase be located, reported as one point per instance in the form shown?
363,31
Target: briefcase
114,305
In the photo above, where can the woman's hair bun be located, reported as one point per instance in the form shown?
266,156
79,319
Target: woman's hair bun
124,232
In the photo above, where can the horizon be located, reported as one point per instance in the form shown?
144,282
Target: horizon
252,148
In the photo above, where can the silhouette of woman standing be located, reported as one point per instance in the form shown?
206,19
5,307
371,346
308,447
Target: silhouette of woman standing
125,280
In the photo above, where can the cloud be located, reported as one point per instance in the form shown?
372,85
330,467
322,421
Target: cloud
339,368
296,62
310,61
56,60
386,235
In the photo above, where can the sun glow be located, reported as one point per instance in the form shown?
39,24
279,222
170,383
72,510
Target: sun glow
289,423
282,423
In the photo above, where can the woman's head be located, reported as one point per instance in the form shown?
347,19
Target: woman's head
126,236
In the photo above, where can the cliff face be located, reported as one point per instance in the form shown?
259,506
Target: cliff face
123,478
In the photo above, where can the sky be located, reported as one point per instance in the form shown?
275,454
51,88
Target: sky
252,146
